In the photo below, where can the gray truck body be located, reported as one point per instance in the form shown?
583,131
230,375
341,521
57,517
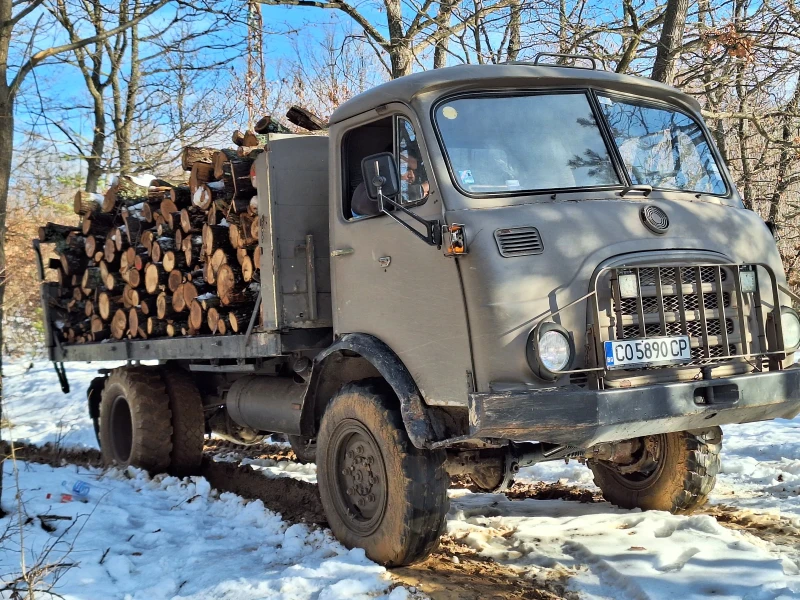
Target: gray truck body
364,297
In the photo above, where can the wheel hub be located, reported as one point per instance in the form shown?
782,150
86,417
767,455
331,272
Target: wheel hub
360,477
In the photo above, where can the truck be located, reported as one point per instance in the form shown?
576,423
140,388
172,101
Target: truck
476,269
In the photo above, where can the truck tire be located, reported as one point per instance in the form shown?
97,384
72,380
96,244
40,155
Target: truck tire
379,492
135,420
687,463
188,422
94,395
305,449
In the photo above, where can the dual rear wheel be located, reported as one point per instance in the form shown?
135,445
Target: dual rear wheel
151,418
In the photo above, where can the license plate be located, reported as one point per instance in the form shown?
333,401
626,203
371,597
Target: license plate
649,351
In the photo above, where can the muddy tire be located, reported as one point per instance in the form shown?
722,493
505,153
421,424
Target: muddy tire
397,502
188,422
684,475
304,449
135,420
94,394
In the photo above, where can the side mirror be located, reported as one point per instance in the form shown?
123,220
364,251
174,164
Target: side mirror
380,172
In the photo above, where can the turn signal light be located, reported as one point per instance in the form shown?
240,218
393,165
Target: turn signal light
456,240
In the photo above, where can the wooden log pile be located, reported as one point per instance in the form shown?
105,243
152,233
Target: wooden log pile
155,257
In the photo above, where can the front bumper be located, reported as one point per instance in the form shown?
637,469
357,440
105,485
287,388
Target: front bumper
582,418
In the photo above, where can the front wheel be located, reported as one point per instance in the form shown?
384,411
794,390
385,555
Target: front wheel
673,471
380,493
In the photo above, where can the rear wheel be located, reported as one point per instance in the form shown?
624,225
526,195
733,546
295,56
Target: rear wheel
379,492
135,417
188,422
673,471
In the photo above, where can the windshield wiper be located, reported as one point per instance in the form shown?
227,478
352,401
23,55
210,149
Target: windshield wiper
646,190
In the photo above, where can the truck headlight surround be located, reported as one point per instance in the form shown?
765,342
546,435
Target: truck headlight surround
790,326
550,350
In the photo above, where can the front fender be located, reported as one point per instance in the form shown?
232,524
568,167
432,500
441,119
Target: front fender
356,356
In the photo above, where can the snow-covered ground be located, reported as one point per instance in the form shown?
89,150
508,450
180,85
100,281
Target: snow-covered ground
171,538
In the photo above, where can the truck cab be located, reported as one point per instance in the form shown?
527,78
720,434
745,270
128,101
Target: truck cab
483,267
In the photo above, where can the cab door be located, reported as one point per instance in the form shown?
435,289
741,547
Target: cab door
386,281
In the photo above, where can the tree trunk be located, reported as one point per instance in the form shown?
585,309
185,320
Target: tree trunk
6,150
514,26
671,39
443,35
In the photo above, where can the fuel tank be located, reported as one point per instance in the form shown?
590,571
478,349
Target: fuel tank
266,403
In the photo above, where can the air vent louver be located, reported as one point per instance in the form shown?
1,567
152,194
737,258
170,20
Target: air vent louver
519,241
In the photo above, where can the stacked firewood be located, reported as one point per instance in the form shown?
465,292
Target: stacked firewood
153,257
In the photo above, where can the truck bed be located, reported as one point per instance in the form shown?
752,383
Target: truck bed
258,345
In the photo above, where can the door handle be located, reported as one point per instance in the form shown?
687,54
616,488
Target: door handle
342,252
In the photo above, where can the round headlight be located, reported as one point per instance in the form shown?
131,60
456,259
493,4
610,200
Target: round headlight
550,350
554,350
790,324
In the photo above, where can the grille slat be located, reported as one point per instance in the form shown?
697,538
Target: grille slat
519,241
703,303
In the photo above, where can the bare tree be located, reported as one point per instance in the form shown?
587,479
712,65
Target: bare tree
671,39
11,81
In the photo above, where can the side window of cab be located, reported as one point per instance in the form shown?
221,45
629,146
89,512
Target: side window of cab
393,134
414,186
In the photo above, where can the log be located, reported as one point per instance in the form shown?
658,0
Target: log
86,203
147,240
167,207
190,292
126,192
181,195
237,180
192,219
192,249
114,282
178,300
164,306
53,232
155,277
247,269
92,244
173,259
148,305
239,318
303,118
214,237
136,321
88,308
107,305
134,278
98,223
229,278
160,247
212,319
196,316
130,297
174,279
119,324
177,327
220,158
202,173
156,327
192,154
73,263
91,280
219,258
209,301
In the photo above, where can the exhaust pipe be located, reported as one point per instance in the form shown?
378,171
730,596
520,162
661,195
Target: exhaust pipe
266,403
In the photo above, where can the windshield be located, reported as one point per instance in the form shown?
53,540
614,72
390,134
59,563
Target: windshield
662,148
540,142
534,142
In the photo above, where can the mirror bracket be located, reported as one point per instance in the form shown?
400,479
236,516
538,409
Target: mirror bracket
433,229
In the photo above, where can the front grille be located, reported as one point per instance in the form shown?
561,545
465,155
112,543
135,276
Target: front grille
704,303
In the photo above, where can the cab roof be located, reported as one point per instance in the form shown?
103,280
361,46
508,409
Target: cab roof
510,76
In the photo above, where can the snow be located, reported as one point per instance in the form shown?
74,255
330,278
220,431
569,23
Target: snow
164,537
188,541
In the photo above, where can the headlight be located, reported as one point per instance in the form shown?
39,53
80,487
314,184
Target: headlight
790,324
550,350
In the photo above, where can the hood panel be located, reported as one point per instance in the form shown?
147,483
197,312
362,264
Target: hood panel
506,296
